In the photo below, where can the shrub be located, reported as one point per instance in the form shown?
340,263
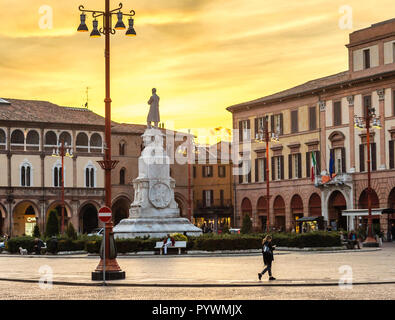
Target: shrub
247,224
70,232
92,246
52,245
52,228
36,232
23,242
71,245
179,237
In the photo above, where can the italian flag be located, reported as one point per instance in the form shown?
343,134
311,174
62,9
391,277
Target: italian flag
313,166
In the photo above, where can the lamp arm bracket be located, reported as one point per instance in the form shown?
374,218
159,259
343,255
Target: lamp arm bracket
132,13
95,13
117,9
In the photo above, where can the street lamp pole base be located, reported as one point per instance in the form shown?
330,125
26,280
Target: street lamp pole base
110,275
370,242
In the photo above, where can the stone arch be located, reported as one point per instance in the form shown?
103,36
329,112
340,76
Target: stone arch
315,209
25,215
82,142
336,203
3,216
88,218
66,138
58,203
120,209
33,138
391,201
337,138
363,199
296,210
182,204
17,140
96,142
51,138
3,136
279,212
57,206
246,207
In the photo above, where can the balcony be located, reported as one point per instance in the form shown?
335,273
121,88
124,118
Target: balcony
215,204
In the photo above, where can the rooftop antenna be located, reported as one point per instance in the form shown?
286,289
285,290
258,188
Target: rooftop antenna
87,97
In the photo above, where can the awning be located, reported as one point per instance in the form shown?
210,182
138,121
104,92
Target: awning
365,212
305,219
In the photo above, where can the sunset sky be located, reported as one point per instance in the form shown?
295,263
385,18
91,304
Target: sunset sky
201,55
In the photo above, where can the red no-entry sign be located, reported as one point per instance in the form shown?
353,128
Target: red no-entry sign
105,214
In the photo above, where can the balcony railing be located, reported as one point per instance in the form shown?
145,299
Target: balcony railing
215,204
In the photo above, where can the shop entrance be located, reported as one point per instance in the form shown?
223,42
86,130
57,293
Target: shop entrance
24,220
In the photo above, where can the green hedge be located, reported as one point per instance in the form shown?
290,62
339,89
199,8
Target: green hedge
206,242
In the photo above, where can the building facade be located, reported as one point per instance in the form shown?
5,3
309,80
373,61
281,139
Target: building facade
318,117
30,174
213,190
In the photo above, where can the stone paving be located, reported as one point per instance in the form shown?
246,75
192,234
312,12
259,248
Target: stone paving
230,276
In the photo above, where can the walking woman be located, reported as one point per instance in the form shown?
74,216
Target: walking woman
267,252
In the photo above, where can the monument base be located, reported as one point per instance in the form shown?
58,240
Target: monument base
154,228
110,275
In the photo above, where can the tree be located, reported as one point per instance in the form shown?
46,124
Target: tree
36,232
70,231
52,228
247,224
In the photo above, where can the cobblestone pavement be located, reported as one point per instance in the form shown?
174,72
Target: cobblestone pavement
290,268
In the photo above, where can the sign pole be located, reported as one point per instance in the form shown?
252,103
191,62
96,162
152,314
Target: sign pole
104,255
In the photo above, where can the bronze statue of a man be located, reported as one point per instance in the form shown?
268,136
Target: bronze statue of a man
153,115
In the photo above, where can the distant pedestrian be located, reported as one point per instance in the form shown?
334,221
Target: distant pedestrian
38,244
354,240
268,258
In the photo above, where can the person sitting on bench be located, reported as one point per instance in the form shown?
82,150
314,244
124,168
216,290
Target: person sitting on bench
168,241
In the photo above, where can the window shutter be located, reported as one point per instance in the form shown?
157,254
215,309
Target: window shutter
343,151
318,161
92,177
256,170
248,131
240,131
264,169
272,123
28,172
281,124
299,155
23,177
240,173
337,113
211,197
55,176
374,156
282,167
203,171
313,118
391,153
290,166
273,169
361,157
204,198
256,126
308,169
249,176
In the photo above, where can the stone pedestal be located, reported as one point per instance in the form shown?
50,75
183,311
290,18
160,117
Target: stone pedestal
154,211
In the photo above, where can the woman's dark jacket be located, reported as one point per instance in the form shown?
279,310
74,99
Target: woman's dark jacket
268,256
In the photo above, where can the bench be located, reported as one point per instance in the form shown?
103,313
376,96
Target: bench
179,245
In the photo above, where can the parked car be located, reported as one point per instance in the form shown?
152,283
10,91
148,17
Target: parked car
96,232
234,231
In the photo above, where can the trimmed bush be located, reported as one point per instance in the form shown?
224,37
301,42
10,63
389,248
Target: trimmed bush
71,245
52,227
179,237
247,224
23,242
70,232
36,232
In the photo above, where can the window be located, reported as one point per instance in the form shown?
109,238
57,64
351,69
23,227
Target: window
278,168
26,174
317,170
294,121
82,142
366,58
96,142
391,154
57,175
90,176
221,171
122,176
3,141
312,118
295,166
66,138
51,139
17,140
244,130
337,113
367,103
207,171
260,169
363,151
339,159
221,197
393,102
208,198
194,171
122,148
277,123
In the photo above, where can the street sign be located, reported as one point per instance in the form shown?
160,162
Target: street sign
105,214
